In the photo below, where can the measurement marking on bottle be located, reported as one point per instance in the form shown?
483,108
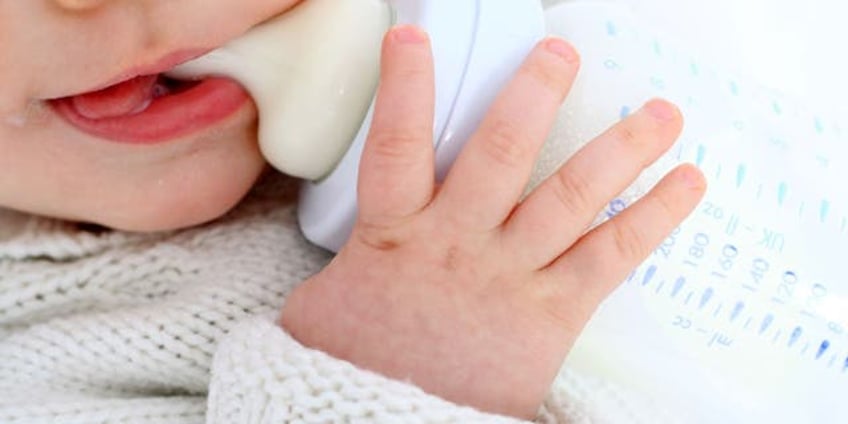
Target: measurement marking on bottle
705,298
734,88
822,349
796,334
782,190
678,285
649,275
741,172
819,126
749,301
824,210
766,323
612,30
657,48
808,314
737,309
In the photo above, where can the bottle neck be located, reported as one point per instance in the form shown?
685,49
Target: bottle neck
312,72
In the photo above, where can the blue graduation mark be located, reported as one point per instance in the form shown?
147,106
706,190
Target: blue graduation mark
766,323
678,285
741,172
705,298
702,153
777,108
819,126
795,336
822,349
824,210
782,190
737,310
612,30
649,275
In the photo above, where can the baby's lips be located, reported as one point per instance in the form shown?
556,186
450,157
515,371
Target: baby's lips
122,99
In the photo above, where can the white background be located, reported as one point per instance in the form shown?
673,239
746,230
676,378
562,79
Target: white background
797,47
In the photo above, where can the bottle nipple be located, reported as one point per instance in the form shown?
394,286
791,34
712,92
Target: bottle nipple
312,73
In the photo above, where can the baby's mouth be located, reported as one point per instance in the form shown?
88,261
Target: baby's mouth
130,97
152,108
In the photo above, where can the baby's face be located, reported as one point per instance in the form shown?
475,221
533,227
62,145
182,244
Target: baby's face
149,154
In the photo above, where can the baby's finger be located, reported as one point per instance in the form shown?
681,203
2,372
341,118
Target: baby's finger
397,169
490,174
604,257
554,216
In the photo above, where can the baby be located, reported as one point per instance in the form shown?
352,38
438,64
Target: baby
170,282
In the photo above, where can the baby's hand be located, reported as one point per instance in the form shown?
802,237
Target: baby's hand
460,288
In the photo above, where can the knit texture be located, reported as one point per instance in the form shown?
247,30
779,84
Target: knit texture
110,327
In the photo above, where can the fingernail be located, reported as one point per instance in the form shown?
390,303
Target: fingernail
408,34
661,110
562,49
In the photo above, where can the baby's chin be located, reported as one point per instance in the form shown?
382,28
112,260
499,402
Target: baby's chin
183,183
191,199
199,189
184,207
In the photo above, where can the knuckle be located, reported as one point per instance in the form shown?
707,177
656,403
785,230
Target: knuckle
380,237
628,134
412,70
567,301
636,141
393,145
505,144
550,74
666,205
573,191
630,242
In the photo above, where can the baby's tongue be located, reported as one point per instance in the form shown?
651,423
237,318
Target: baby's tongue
126,98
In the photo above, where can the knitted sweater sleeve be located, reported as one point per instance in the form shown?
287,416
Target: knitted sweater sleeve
262,375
